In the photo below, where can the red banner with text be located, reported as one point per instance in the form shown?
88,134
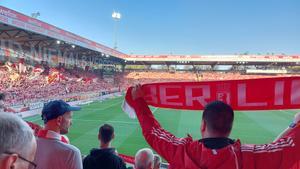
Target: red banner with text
252,94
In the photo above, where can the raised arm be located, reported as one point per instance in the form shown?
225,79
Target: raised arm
290,128
162,141
284,152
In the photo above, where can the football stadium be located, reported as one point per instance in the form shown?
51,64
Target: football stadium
41,63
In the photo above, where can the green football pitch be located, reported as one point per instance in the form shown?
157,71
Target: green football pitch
257,127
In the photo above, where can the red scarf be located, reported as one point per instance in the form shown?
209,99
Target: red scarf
127,159
48,134
35,127
251,94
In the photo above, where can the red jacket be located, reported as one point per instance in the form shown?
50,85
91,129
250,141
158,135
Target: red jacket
282,154
184,153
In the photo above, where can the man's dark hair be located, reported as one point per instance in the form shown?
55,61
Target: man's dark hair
218,117
106,132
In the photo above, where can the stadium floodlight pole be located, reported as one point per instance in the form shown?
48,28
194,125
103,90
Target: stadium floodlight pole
116,17
35,15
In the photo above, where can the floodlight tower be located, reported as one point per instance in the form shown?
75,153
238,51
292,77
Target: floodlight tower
116,17
35,15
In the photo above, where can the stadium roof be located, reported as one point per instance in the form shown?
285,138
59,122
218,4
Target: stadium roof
27,31
214,59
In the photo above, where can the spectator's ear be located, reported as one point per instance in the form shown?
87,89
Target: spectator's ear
203,126
99,137
113,136
59,120
10,161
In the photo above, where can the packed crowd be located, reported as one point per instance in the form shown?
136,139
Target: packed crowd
190,76
39,83
128,79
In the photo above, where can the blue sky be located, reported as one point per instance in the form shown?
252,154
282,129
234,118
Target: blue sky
177,26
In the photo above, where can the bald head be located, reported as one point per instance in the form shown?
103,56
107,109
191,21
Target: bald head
144,159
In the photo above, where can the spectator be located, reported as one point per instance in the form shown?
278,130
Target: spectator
144,159
157,161
53,148
215,149
17,143
104,157
3,107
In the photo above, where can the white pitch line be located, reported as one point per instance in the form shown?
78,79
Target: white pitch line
289,112
112,121
93,109
35,119
154,110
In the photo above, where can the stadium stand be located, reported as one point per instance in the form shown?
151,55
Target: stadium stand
36,84
33,77
41,82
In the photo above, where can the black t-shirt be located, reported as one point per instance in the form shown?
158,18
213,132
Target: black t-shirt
103,159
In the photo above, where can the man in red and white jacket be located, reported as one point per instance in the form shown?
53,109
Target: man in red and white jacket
215,150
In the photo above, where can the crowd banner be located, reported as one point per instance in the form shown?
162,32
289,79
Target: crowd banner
250,94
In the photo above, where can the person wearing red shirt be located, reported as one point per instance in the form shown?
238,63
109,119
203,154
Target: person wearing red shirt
215,150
